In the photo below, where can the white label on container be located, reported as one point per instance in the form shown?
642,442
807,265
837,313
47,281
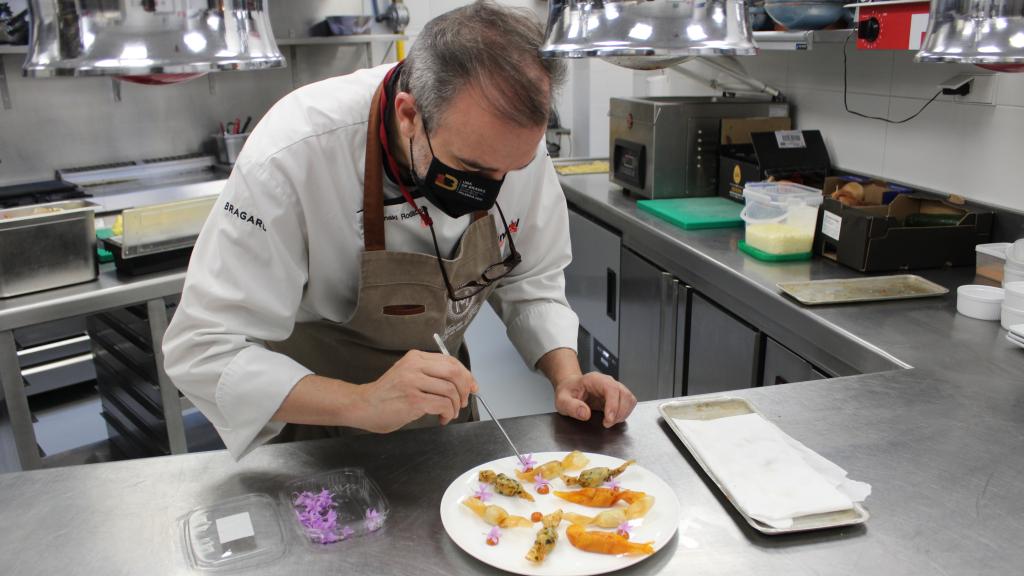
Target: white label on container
778,111
790,139
831,223
234,527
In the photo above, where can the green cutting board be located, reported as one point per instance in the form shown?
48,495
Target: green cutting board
696,213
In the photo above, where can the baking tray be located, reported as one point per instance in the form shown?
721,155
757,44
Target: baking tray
722,407
840,291
579,166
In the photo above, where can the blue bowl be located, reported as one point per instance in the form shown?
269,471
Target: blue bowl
804,15
759,20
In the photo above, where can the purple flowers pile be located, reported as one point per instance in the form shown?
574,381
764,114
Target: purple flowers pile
317,515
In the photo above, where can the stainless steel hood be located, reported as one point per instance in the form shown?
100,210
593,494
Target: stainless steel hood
647,34
147,37
984,32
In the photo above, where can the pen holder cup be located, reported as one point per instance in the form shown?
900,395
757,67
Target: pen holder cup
229,146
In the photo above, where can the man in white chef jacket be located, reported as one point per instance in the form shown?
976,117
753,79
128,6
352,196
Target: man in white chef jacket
362,217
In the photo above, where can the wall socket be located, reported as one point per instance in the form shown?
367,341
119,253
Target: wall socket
983,89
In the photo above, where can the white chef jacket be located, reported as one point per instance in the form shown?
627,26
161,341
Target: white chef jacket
284,242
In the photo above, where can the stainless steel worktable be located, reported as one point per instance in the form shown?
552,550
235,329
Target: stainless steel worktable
942,452
844,339
17,437
940,443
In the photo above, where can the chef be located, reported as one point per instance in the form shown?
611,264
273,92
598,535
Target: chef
365,214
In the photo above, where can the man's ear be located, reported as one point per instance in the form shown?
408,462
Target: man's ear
407,114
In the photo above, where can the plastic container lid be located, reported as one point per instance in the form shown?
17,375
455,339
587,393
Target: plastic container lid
782,193
335,506
239,533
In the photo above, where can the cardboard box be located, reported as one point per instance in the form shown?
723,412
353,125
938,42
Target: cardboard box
877,238
795,155
876,192
737,131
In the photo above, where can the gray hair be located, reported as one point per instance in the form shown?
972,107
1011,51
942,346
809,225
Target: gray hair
493,48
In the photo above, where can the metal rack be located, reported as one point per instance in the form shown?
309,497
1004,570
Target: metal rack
799,40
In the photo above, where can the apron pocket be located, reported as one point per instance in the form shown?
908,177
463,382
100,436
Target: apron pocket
403,309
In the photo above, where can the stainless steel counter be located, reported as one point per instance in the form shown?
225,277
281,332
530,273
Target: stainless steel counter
844,339
941,451
940,444
18,448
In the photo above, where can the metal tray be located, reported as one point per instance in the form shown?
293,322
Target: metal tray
896,287
724,406
578,166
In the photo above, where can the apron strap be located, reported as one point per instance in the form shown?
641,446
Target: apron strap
373,182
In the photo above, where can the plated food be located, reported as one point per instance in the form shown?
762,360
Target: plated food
608,516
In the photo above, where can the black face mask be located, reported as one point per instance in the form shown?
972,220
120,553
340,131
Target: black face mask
455,192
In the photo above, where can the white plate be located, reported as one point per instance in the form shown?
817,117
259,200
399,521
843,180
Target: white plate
469,531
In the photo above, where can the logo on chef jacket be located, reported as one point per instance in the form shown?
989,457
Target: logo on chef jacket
513,227
247,217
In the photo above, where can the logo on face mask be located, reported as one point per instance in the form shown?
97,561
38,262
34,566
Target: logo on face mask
447,181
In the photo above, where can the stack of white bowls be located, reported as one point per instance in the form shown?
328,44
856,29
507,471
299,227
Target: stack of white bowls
1013,304
1013,269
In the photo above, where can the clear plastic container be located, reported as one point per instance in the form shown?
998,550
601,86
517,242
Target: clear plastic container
780,217
335,506
989,260
236,534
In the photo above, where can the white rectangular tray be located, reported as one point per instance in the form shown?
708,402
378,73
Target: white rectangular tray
721,407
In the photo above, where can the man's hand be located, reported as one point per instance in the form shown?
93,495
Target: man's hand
418,384
576,394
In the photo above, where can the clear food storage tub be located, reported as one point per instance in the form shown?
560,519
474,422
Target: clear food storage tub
335,506
781,219
240,533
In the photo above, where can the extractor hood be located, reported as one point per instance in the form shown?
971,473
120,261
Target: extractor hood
989,33
142,38
647,34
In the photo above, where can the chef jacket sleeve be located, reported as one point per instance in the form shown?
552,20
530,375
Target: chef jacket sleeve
243,287
531,300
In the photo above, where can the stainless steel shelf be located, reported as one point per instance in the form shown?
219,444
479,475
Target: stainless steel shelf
356,39
8,49
799,40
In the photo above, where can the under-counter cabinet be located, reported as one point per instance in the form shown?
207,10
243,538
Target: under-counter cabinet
724,352
647,327
592,289
782,366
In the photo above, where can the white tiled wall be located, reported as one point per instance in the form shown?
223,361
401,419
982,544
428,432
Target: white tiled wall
956,147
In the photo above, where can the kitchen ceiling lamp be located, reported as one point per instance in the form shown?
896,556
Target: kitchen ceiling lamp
989,33
153,41
647,34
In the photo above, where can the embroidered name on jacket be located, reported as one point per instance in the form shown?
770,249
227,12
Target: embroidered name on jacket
244,216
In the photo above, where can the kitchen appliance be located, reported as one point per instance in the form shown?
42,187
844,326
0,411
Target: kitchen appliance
169,39
41,192
668,147
647,35
47,246
984,32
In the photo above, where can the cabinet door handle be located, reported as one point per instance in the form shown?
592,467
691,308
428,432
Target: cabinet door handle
611,304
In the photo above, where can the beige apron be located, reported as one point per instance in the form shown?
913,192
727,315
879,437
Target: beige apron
402,302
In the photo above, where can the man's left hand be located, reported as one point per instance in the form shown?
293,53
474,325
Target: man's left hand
577,395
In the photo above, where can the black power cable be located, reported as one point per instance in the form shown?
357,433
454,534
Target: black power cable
846,105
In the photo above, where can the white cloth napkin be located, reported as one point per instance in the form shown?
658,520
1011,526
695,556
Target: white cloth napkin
771,477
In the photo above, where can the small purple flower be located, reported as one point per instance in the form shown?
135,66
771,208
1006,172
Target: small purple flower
528,463
373,520
345,533
482,493
612,483
540,481
494,535
317,515
623,529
